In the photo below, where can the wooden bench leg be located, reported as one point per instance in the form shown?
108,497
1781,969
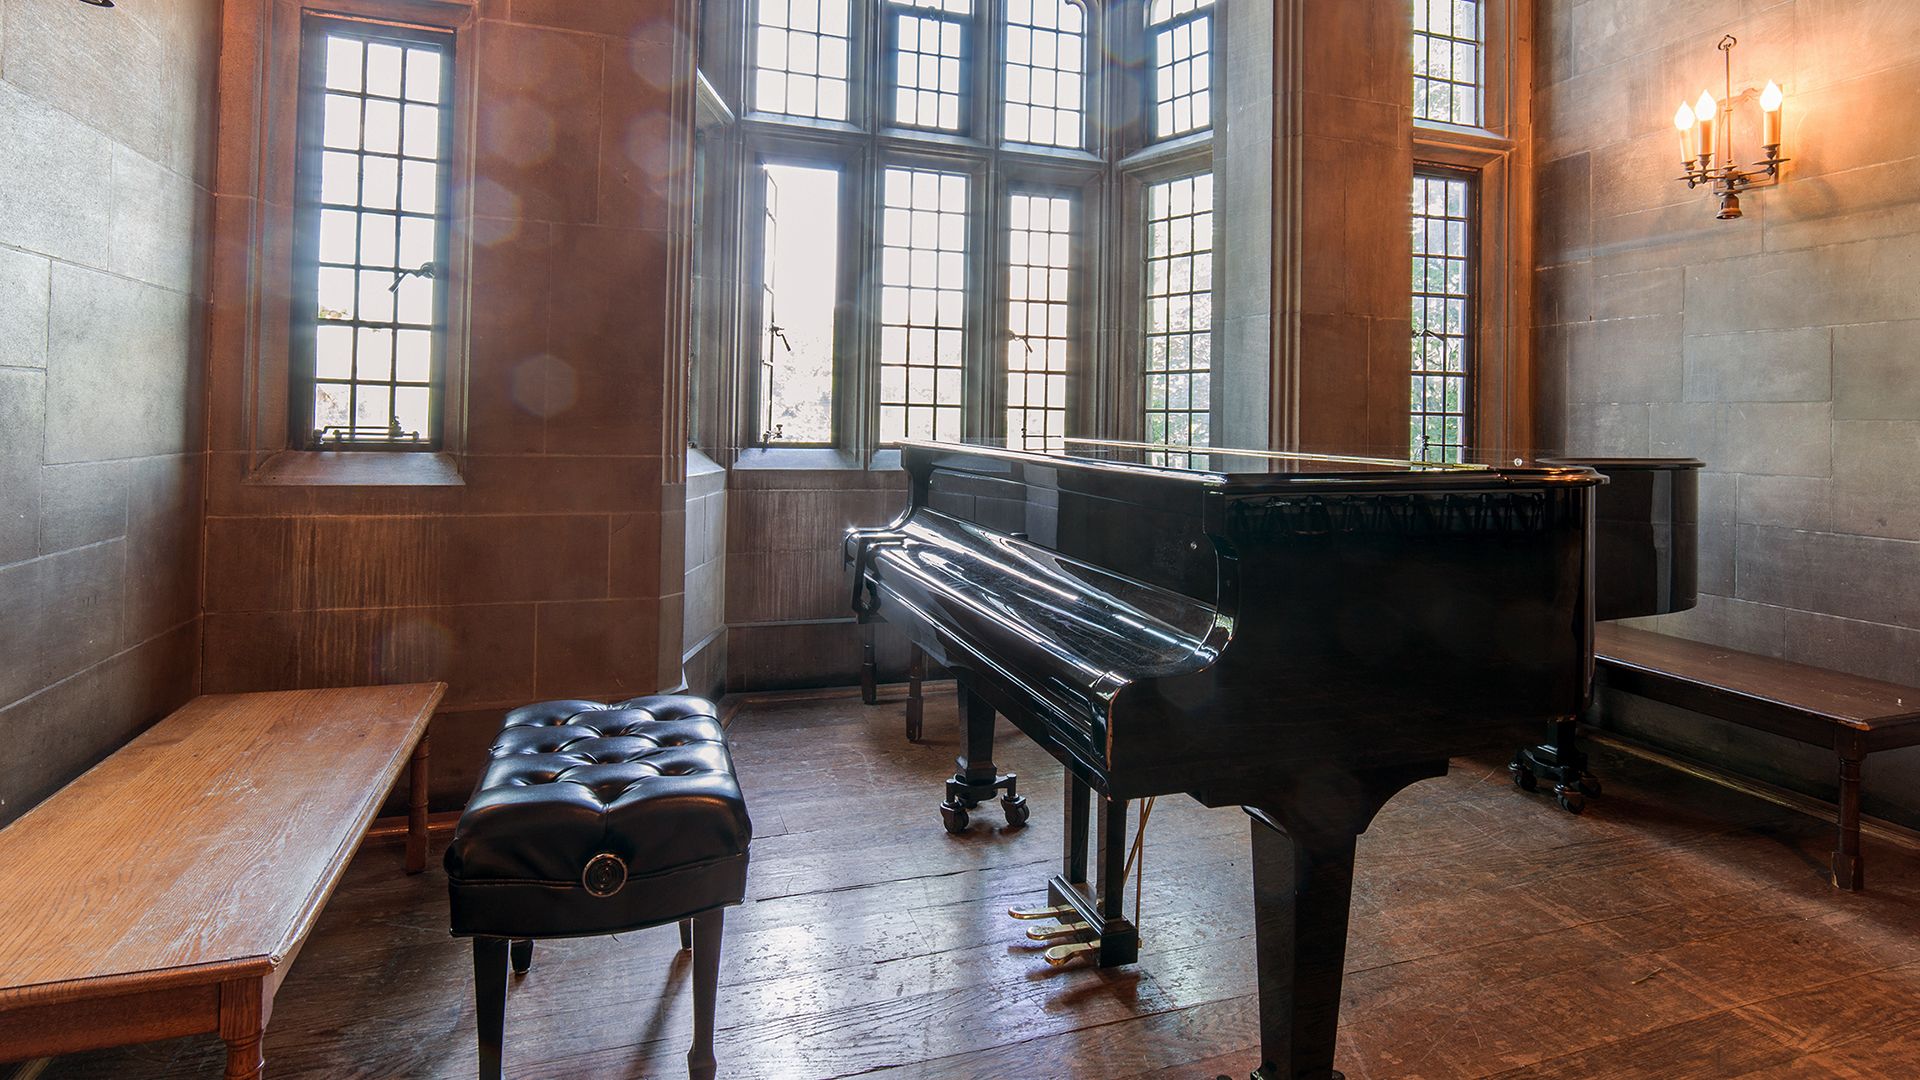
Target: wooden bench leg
706,978
686,933
417,809
1847,871
243,1021
522,953
490,1001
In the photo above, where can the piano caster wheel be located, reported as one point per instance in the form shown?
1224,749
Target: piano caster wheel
955,818
1017,810
1570,799
1523,777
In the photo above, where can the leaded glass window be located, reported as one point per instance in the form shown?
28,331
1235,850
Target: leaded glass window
1046,72
1182,37
1447,61
923,303
930,63
1179,323
370,317
1442,315
1039,320
802,50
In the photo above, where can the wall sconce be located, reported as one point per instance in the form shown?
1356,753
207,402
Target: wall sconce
1700,122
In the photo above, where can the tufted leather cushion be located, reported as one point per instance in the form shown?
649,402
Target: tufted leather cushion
647,781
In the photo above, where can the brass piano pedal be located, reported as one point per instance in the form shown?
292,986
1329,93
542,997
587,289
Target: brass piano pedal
1068,930
1060,954
1042,913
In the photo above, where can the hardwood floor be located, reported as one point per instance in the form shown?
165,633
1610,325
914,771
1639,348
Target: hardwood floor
1676,930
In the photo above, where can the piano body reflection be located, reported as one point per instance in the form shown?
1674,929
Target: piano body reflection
1296,635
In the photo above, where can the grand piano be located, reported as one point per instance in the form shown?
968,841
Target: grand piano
1302,636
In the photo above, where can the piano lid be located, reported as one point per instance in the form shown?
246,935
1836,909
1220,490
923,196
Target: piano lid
1239,467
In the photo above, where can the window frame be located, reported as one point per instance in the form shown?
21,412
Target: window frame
864,147
1469,383
302,358
1498,154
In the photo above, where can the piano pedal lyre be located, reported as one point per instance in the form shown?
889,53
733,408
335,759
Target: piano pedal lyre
1056,912
1061,954
1064,930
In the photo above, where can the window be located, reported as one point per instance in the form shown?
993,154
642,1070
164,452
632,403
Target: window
371,244
1046,72
922,263
1179,326
923,304
1442,314
1182,33
1039,333
930,63
802,49
800,282
1447,61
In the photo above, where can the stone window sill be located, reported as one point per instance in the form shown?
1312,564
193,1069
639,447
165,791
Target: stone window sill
347,468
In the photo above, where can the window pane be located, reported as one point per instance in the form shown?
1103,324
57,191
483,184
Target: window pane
929,68
1164,11
800,292
1039,320
1442,316
800,51
923,305
1182,69
1046,72
1447,61
1179,318
377,235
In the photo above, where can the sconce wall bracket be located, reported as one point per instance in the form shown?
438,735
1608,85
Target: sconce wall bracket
1727,180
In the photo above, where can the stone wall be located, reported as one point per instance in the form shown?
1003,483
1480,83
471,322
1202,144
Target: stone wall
105,161
1780,348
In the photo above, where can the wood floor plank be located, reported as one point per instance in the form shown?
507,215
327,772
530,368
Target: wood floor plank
1676,930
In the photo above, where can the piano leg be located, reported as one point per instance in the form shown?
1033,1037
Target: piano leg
869,671
1073,860
916,674
1301,896
975,780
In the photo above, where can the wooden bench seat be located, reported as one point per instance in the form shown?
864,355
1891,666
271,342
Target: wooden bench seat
1851,715
167,890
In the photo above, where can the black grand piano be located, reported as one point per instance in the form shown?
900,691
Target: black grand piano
1299,635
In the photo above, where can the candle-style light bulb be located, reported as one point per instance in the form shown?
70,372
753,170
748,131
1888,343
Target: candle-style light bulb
1770,101
1705,112
1683,123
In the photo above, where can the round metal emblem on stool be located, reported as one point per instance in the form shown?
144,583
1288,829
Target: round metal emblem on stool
604,875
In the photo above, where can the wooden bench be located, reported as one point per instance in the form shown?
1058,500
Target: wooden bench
1851,715
167,890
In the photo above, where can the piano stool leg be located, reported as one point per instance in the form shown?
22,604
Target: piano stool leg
869,674
1560,762
490,1001
522,954
1301,897
707,928
916,675
975,780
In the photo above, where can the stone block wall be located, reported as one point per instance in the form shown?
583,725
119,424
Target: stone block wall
1782,348
106,136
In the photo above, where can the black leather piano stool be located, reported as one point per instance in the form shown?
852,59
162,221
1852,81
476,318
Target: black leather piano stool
597,819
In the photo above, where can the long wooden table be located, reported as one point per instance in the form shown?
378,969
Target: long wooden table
167,890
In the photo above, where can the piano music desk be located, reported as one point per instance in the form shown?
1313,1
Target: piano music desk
167,890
